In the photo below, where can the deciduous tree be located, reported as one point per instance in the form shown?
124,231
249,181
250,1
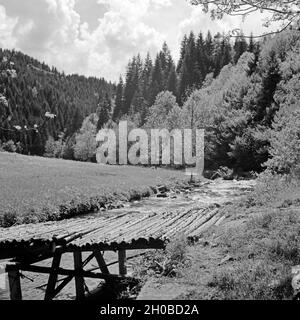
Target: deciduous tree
285,12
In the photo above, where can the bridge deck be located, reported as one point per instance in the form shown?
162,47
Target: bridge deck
106,232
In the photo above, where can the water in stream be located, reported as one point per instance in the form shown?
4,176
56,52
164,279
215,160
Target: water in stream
218,191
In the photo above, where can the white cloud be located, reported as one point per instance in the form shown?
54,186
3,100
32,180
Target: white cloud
6,29
199,21
120,34
55,32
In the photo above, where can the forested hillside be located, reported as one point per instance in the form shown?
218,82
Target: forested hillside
244,93
34,89
30,90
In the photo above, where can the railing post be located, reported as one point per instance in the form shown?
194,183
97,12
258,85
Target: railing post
14,281
79,281
122,262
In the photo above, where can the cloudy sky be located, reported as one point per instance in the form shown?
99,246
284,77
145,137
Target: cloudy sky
98,37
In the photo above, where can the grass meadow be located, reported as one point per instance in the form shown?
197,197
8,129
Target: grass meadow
35,189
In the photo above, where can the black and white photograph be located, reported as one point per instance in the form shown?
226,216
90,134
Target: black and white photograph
149,151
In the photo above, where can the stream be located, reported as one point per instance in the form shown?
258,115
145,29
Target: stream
212,192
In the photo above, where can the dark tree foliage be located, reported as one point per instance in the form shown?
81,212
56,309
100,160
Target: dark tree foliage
172,81
156,83
241,46
132,80
103,111
199,57
119,102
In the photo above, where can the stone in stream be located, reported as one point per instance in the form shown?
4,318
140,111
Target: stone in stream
162,189
162,195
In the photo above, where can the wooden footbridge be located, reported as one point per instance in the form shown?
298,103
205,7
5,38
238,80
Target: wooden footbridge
27,245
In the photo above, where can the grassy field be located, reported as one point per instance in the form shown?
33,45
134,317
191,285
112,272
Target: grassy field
34,189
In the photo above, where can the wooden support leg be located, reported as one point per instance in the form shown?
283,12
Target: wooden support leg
65,282
122,262
14,282
79,282
50,290
101,262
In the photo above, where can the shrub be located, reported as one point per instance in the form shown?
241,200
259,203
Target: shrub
165,102
285,141
177,250
9,146
68,149
272,189
8,219
53,149
85,147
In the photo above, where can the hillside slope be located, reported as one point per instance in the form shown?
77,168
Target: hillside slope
38,89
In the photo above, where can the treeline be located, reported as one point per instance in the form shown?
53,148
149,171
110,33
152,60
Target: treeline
37,89
161,94
250,111
247,101
200,56
245,95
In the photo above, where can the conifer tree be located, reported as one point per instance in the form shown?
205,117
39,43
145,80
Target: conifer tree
119,105
156,83
172,81
240,46
103,112
129,86
251,47
208,50
166,63
182,53
134,71
146,76
201,67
